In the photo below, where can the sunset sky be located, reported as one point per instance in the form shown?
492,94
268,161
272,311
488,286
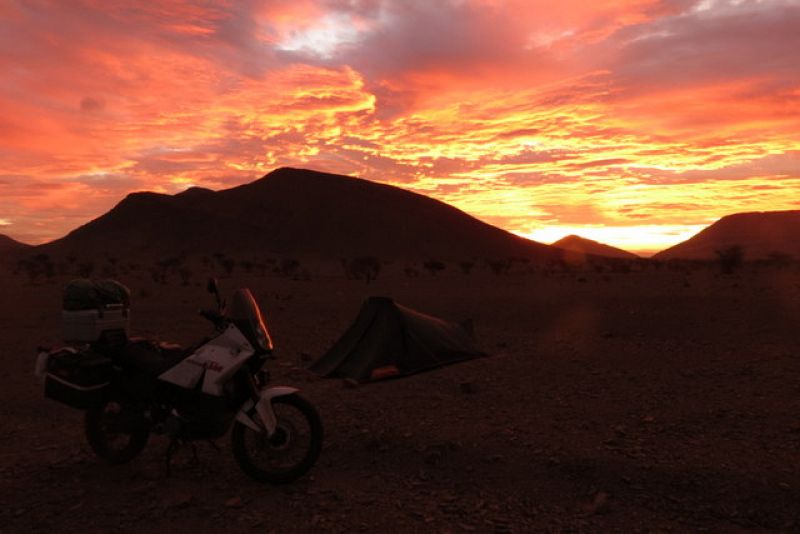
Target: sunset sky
631,122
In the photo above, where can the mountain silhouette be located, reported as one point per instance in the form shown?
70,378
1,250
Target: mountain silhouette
7,244
760,235
575,243
295,212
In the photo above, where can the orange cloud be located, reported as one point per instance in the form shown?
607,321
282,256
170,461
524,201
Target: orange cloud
528,114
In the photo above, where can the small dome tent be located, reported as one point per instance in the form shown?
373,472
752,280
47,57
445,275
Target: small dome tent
388,339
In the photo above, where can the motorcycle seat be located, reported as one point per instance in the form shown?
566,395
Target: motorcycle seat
151,357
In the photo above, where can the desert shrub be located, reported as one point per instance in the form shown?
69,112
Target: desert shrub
622,267
186,274
288,267
85,269
556,266
36,266
365,267
434,266
110,269
29,268
730,258
47,266
499,267
302,274
229,265
166,266
781,259
466,266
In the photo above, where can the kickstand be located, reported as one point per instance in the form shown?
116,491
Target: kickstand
195,459
173,446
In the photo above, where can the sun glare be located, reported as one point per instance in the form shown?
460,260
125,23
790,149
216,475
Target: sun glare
579,116
323,38
642,240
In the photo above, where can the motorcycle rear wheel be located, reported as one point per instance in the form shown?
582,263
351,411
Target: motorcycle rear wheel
116,431
290,452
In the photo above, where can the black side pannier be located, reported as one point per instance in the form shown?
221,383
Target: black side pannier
78,379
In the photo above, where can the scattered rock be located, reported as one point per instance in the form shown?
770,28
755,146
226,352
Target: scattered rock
598,505
467,388
234,502
179,500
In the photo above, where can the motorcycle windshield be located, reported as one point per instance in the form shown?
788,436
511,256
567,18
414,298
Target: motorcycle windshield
246,315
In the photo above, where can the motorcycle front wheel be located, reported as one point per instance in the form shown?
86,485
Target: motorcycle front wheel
292,449
116,431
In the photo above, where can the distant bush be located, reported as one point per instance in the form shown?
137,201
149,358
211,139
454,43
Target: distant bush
288,267
466,266
29,268
499,267
730,258
434,266
85,269
36,266
228,264
781,259
166,266
411,272
366,268
186,274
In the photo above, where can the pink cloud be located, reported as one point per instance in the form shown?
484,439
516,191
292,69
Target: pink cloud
495,105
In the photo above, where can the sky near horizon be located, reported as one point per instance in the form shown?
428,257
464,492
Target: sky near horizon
635,122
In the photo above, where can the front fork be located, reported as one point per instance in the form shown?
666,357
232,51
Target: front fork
263,407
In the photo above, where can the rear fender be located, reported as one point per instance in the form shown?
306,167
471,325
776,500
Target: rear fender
264,409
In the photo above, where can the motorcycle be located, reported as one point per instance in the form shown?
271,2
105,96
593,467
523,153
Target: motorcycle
130,388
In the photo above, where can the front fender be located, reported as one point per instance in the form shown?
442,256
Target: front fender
264,409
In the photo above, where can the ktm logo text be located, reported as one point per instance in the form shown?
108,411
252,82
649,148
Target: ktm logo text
208,365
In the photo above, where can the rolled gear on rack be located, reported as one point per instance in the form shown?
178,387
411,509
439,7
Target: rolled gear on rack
94,309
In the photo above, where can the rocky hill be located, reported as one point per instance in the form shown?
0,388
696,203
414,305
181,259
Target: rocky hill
761,235
574,243
298,212
7,244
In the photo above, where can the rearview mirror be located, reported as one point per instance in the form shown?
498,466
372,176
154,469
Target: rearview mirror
212,286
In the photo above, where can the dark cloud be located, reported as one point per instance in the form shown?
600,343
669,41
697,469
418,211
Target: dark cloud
728,41
90,104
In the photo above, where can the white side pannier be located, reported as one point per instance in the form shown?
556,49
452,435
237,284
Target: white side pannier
94,308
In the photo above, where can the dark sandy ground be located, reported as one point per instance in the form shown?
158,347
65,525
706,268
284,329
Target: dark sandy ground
620,402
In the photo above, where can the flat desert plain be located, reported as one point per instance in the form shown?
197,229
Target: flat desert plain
642,401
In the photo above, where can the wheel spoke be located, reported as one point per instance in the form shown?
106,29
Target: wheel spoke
286,454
